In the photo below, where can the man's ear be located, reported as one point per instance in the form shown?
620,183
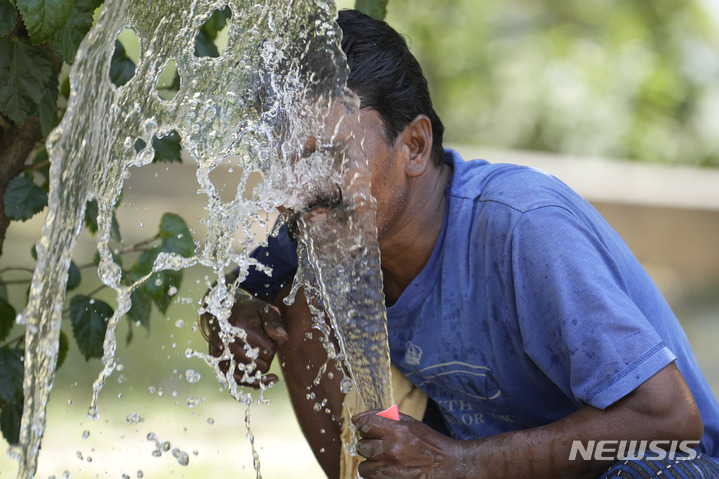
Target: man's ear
417,136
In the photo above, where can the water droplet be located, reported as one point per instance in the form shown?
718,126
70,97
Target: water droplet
85,434
192,376
346,385
134,418
210,420
182,457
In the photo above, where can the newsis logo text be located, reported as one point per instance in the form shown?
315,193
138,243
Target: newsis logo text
617,450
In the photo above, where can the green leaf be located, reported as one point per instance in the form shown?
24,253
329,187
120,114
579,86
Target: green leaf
66,41
7,318
3,290
176,237
44,18
10,421
122,69
115,232
65,87
216,22
41,166
73,276
158,285
167,148
89,322
27,72
23,199
91,212
47,108
62,349
374,8
204,46
8,17
11,372
206,36
139,311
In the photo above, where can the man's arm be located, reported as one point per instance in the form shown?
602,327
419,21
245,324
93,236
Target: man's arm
661,408
301,357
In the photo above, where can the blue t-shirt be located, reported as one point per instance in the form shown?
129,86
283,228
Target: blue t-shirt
530,307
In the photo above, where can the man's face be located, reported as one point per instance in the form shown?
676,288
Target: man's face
351,151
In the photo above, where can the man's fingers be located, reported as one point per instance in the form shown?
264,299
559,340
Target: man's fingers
369,448
265,380
272,323
372,426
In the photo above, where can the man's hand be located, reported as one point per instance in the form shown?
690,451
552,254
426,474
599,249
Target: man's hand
265,331
405,449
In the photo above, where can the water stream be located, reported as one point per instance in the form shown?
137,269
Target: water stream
280,81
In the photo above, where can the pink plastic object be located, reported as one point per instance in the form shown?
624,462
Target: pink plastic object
390,413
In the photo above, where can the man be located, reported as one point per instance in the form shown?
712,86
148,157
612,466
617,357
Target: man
523,317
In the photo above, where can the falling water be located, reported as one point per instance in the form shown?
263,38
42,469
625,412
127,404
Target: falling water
276,84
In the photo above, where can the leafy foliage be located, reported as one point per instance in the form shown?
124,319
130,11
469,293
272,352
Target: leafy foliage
44,18
11,395
374,8
205,40
8,17
67,39
23,199
27,73
7,318
10,374
89,322
36,36
122,69
623,79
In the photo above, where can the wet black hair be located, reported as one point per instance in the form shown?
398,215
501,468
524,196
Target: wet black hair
386,76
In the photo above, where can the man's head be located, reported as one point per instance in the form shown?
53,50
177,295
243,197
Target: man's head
386,76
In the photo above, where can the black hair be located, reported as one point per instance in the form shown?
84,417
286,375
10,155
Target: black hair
386,77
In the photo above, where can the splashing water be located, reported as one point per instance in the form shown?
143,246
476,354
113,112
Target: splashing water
278,82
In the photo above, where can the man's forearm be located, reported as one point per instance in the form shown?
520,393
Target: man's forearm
302,358
660,409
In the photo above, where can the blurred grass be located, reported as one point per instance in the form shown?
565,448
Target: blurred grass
152,385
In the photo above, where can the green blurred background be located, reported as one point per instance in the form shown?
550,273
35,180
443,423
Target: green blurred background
626,80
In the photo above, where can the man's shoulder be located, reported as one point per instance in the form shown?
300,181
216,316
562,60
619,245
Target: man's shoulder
518,187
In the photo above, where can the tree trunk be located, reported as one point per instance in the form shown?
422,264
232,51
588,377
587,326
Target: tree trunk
15,146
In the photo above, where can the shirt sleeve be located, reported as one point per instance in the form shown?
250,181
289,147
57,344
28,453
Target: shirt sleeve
279,259
578,321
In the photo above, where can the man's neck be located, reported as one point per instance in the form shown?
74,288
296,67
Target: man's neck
407,246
